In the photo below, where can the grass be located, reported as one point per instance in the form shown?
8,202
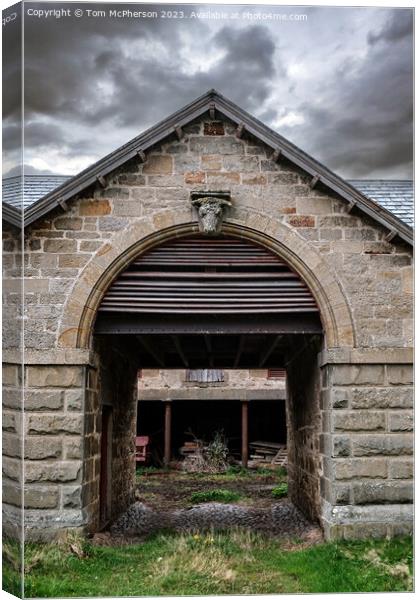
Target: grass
214,496
280,491
222,563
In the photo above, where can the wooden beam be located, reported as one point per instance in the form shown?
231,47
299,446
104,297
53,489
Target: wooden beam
179,132
239,351
101,180
179,349
141,155
63,204
314,181
269,351
350,207
240,130
150,350
212,110
276,155
168,432
244,433
207,341
391,234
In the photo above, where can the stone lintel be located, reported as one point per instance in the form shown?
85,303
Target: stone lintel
366,356
202,393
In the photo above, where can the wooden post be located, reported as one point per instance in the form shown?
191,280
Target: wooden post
168,427
245,434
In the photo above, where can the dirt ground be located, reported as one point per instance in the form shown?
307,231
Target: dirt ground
172,489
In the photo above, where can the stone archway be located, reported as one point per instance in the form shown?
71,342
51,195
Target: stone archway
80,310
304,400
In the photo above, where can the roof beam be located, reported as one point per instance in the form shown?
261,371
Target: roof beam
391,234
179,132
276,154
63,204
266,355
209,349
180,351
315,179
142,156
150,350
350,206
239,351
101,180
212,110
240,130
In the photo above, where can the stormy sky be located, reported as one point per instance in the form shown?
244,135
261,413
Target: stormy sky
338,84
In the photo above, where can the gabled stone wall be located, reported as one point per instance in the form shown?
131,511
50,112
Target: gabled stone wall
362,282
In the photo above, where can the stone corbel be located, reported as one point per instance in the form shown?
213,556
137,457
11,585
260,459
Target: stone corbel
211,208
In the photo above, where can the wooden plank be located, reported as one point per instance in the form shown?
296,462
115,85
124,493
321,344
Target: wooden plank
179,349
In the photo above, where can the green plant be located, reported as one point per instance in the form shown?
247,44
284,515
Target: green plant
280,491
216,453
214,496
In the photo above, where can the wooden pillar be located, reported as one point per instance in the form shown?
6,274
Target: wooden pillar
168,427
245,433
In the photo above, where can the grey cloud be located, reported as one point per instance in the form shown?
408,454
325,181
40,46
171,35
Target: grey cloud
398,26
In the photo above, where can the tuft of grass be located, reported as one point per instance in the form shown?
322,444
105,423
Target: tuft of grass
280,491
214,496
238,562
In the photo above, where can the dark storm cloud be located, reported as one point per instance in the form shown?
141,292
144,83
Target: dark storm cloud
398,26
92,84
364,125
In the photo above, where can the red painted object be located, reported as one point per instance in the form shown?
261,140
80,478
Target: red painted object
142,443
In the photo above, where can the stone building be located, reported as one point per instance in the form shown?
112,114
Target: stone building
211,239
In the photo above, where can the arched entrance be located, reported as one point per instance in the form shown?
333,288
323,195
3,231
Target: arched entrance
225,302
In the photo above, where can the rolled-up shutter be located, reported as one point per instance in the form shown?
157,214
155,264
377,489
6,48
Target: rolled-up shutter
197,275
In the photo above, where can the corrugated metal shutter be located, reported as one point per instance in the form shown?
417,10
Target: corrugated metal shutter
198,275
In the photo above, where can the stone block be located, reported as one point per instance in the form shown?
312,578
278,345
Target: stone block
214,128
60,246
12,468
54,424
357,468
356,374
127,208
166,180
195,177
341,446
359,421
12,445
89,246
41,447
301,221
158,164
400,468
54,376
55,472
211,162
68,223
243,164
255,180
223,179
113,223
41,496
311,206
381,397
9,421
72,497
72,448
74,400
401,421
222,145
386,445
131,179
95,208
10,374
382,492
73,261
12,493
399,374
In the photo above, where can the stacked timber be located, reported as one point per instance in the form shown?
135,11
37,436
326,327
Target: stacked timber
268,453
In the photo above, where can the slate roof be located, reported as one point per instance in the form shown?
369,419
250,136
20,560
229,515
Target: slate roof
216,105
396,195
35,187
